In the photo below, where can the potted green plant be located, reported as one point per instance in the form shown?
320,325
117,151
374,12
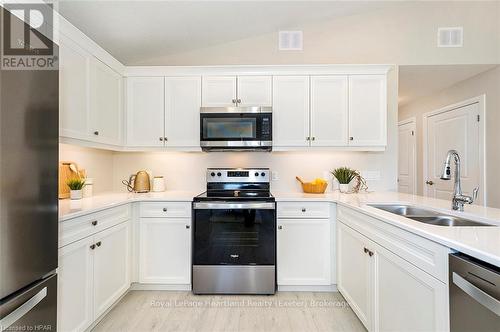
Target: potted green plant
75,187
344,176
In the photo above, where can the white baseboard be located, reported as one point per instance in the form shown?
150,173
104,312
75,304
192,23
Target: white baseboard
319,288
167,287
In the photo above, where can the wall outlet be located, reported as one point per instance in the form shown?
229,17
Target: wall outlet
274,176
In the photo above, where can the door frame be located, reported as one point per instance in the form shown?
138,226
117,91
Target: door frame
413,121
481,101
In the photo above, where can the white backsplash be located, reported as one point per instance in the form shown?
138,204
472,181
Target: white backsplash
186,171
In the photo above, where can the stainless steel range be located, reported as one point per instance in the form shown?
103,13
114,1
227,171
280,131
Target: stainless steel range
234,236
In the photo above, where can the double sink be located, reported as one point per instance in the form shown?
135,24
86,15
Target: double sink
427,216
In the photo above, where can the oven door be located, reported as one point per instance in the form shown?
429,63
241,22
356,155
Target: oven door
235,130
234,233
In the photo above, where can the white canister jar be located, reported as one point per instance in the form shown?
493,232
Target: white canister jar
158,184
75,194
88,189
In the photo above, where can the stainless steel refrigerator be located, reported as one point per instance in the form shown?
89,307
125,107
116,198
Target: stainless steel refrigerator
28,198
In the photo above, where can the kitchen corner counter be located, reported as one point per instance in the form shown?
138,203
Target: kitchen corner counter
69,209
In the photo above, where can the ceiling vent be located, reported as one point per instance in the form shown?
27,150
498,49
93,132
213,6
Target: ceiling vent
450,37
290,41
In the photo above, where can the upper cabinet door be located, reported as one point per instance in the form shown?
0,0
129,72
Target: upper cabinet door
255,91
105,104
182,111
291,111
73,90
329,110
367,110
145,111
219,91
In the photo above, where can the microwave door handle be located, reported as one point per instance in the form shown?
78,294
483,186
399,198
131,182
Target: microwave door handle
485,299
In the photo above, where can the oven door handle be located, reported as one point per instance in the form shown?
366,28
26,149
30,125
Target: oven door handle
234,206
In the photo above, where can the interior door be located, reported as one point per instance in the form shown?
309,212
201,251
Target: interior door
456,129
329,110
406,157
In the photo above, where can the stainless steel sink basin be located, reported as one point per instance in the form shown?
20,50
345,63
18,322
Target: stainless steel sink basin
427,216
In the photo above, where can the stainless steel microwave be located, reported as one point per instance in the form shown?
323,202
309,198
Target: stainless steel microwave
236,128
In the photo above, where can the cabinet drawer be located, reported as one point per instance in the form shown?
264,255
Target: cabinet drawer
72,230
303,210
165,209
421,252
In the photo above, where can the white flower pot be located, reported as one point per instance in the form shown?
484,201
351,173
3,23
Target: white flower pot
76,194
344,188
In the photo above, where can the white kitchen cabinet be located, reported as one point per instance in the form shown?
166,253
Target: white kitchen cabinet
94,271
182,111
291,111
387,292
165,251
329,110
145,111
303,252
367,110
73,90
105,113
354,272
254,91
111,266
407,298
74,289
218,91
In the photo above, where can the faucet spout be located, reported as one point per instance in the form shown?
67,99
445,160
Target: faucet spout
459,199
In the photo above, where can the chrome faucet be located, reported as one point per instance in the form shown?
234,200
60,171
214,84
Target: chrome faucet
459,199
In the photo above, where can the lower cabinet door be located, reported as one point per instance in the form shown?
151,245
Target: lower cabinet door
165,250
354,272
407,298
75,275
111,266
303,252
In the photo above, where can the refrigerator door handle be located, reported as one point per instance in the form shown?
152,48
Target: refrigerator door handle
22,310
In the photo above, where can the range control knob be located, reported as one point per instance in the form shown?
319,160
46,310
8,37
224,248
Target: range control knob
219,174
212,174
263,174
256,173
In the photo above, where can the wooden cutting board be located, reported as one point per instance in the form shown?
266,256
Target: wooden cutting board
65,173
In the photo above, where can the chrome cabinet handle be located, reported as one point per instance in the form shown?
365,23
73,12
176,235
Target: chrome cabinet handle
477,294
351,138
365,250
370,253
98,244
238,101
280,227
303,210
165,139
92,246
430,182
308,138
188,227
234,101
94,223
96,133
161,139
164,209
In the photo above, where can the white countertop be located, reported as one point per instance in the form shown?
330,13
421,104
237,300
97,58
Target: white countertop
480,242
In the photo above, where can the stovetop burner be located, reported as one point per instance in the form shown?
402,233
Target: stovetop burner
230,184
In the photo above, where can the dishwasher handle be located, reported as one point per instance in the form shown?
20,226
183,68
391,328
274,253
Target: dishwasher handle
477,294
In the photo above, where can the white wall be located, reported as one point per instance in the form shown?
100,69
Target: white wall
487,83
97,163
405,33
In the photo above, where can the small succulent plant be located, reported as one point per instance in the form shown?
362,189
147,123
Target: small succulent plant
344,175
76,183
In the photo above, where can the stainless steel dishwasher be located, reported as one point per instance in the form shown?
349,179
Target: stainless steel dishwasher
474,295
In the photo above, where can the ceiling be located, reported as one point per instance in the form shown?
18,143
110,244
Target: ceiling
136,31
420,81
